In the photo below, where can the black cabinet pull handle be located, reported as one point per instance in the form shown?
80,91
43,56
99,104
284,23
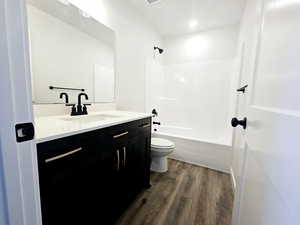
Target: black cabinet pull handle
235,122
242,89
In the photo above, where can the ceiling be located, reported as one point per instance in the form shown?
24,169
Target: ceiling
177,17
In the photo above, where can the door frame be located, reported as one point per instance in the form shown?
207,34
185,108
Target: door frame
18,161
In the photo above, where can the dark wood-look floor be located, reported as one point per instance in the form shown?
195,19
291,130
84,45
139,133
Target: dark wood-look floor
185,195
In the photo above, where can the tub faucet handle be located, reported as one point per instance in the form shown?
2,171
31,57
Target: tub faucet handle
154,112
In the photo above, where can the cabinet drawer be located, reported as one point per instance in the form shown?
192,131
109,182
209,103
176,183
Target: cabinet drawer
123,132
120,131
144,124
120,135
59,149
141,126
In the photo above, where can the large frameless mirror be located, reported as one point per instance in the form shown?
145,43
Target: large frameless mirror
70,52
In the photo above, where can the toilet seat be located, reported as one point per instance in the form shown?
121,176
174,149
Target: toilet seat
160,143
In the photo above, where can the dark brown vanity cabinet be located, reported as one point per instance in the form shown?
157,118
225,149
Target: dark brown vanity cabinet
91,178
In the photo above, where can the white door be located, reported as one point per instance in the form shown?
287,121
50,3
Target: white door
18,172
238,141
271,191
248,40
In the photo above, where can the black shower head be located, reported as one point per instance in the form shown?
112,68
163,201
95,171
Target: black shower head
160,50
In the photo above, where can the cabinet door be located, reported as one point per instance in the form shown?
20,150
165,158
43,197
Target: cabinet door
138,163
78,180
119,136
64,183
106,178
135,162
144,150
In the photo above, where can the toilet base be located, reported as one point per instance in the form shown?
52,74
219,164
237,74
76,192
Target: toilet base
159,164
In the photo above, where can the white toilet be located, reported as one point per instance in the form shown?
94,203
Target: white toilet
160,149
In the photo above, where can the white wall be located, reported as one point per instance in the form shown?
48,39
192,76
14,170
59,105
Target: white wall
193,93
213,44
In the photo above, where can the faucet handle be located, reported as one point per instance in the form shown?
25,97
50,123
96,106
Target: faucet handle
73,112
154,113
84,110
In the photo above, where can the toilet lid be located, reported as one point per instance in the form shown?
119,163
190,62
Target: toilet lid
161,143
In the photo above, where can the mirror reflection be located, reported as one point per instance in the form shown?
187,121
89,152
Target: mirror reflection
71,53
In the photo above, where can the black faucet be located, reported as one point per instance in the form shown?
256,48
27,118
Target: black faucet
73,111
79,105
66,96
81,109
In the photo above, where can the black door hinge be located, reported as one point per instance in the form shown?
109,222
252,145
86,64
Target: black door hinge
24,132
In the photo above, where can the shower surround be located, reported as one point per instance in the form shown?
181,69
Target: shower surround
193,92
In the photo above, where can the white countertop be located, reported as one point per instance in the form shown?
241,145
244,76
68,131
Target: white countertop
55,127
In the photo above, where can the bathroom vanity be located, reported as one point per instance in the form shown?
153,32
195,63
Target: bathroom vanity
91,167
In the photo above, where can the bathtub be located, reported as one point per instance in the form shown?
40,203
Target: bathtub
214,153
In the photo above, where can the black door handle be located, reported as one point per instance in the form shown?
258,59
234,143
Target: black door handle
235,122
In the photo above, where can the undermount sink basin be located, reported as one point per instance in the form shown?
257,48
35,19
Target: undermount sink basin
90,118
